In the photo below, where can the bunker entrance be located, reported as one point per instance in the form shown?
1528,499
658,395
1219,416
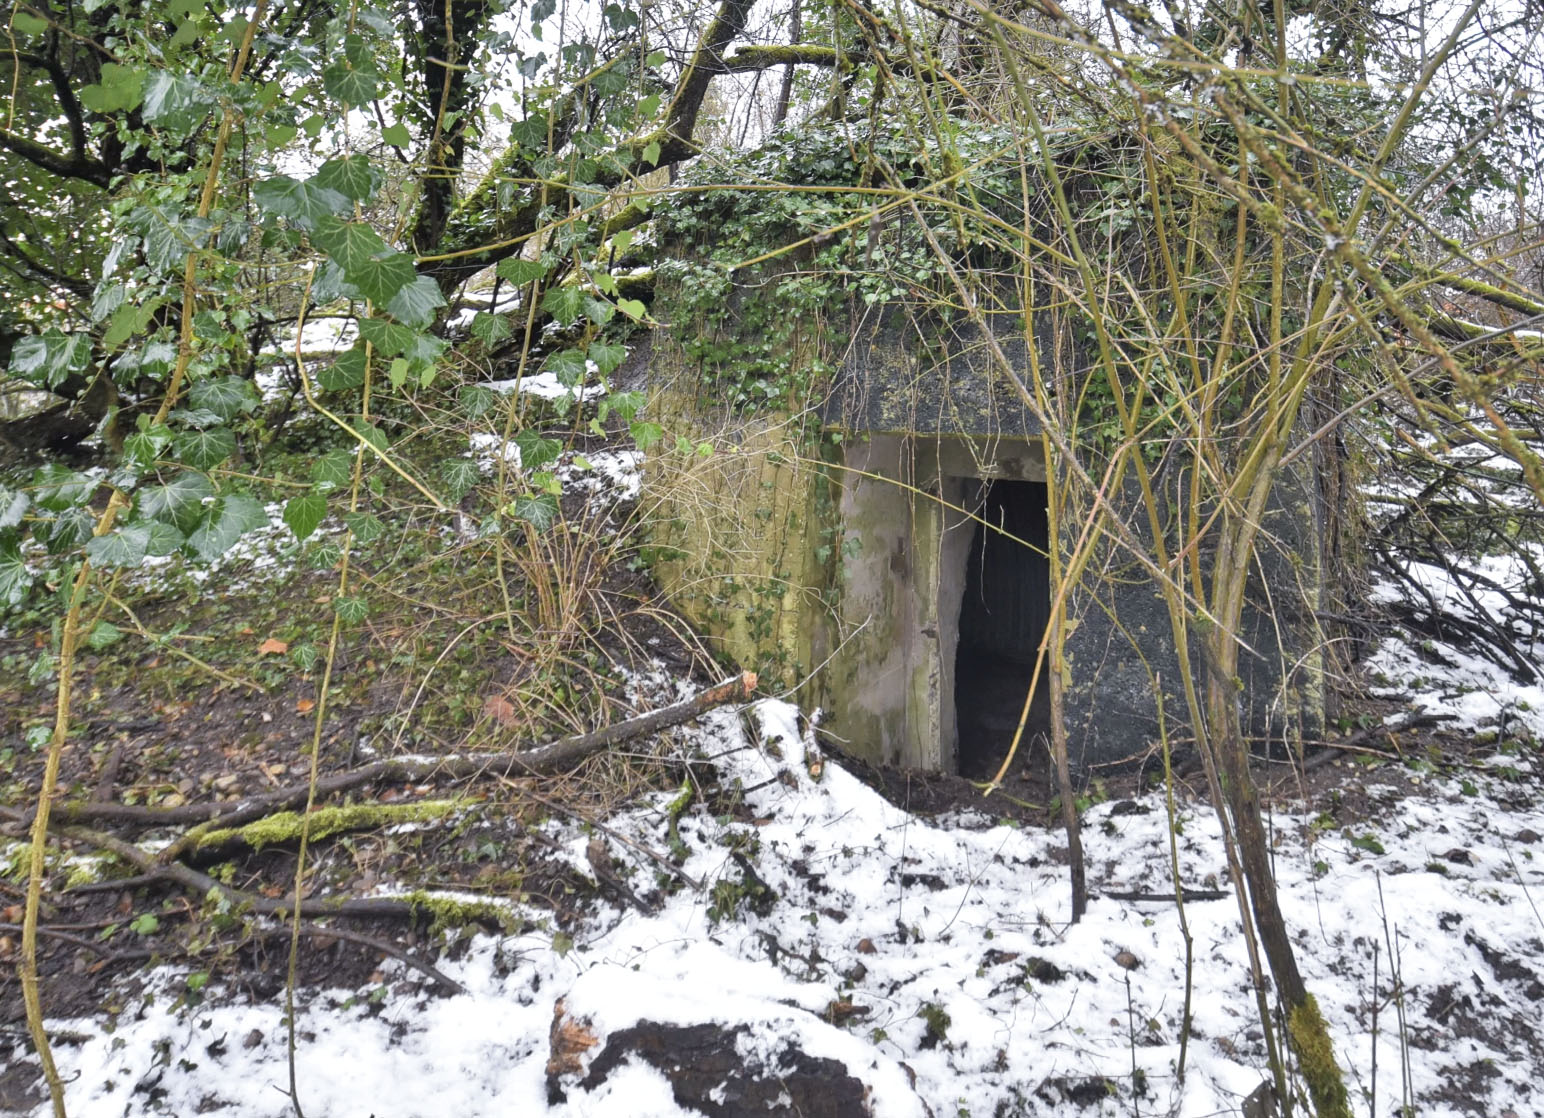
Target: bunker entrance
1003,614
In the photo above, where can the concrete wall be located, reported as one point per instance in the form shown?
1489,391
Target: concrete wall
841,566
732,527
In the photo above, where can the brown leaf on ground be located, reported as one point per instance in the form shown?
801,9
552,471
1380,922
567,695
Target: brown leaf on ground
273,646
305,706
500,709
570,1039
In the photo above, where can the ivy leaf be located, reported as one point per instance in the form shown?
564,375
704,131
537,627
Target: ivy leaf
330,284
70,529
632,308
352,176
350,85
564,304
460,475
47,359
304,513
56,488
204,450
175,100
122,548
598,311
351,609
520,272
569,366
477,401
366,528
226,397
108,298
373,435
490,329
169,238
351,244
651,153
24,23
536,451
225,522
414,304
389,338
425,347
304,203
381,279
103,634
645,434
397,135
332,470
607,357
15,578
180,501
164,539
347,372
540,511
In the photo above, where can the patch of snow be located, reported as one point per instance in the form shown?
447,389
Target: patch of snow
617,474
488,448
912,922
546,385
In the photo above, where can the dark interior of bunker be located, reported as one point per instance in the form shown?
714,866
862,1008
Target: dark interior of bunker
1003,616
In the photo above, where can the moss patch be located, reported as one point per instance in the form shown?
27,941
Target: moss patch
286,826
458,912
1315,1055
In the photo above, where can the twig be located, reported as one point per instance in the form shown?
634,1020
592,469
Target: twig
588,820
202,884
103,791
1189,895
81,941
543,760
385,947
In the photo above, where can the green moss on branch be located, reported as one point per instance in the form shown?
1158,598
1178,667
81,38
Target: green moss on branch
285,826
1316,1058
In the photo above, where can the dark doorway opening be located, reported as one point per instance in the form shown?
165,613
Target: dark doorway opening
1003,615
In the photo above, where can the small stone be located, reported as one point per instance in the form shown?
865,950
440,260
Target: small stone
1127,960
866,947
1526,835
1460,856
253,1039
855,973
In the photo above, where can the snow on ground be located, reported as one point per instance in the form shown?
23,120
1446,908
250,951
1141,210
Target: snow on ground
547,386
952,944
321,339
615,475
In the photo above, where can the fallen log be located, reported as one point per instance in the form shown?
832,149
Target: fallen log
544,760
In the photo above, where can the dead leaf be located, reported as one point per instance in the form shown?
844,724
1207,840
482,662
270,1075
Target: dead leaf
273,646
569,1039
305,706
500,710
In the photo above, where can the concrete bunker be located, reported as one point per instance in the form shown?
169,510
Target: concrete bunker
884,549
945,595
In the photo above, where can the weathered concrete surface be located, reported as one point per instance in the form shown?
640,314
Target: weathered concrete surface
902,376
840,563
730,516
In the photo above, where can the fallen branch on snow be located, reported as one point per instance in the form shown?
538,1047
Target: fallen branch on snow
543,760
